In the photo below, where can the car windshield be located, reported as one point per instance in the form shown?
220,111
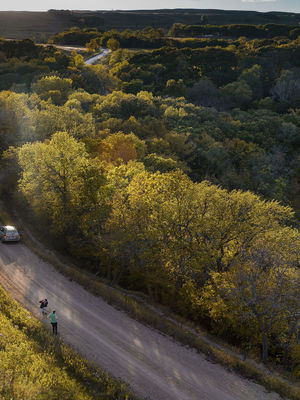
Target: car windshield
10,229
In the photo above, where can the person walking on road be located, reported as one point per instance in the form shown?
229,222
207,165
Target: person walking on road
43,306
53,320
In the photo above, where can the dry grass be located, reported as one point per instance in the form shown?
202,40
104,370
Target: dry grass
23,25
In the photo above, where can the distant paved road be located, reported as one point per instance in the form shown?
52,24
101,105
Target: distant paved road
98,57
154,365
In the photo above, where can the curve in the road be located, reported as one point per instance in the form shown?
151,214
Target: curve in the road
96,58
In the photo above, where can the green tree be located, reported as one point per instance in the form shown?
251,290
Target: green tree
287,89
175,88
173,227
254,79
50,119
113,44
260,293
17,120
154,163
97,79
239,93
54,88
59,180
78,60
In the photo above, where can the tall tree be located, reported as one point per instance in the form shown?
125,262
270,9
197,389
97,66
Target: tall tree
59,179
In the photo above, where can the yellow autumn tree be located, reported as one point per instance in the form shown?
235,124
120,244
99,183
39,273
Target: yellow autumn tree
259,296
120,148
183,231
60,180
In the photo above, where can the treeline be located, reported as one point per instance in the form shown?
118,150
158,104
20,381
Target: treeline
75,36
93,38
147,38
186,68
256,149
21,61
33,365
266,31
19,48
108,174
150,38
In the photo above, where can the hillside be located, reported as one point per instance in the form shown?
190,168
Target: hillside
21,25
171,168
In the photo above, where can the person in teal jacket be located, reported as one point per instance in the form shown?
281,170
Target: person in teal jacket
53,320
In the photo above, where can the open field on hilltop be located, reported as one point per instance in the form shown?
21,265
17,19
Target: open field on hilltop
20,25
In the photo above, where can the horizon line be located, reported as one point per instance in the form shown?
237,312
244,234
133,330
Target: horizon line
154,9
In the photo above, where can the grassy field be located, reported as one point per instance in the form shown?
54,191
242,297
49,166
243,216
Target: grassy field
21,25
36,25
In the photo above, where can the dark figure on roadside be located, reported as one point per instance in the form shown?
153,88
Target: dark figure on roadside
43,306
53,320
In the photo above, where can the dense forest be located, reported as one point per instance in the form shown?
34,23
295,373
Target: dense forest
172,168
237,30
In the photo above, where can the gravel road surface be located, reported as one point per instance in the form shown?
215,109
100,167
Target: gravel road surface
153,365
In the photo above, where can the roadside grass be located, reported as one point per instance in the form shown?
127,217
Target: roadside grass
177,328
35,365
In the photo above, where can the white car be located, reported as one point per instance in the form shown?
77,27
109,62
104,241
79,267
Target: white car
9,234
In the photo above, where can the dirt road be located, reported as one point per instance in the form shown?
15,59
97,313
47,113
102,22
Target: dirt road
152,364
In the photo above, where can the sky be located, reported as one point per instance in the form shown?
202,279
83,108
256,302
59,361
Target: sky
256,5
